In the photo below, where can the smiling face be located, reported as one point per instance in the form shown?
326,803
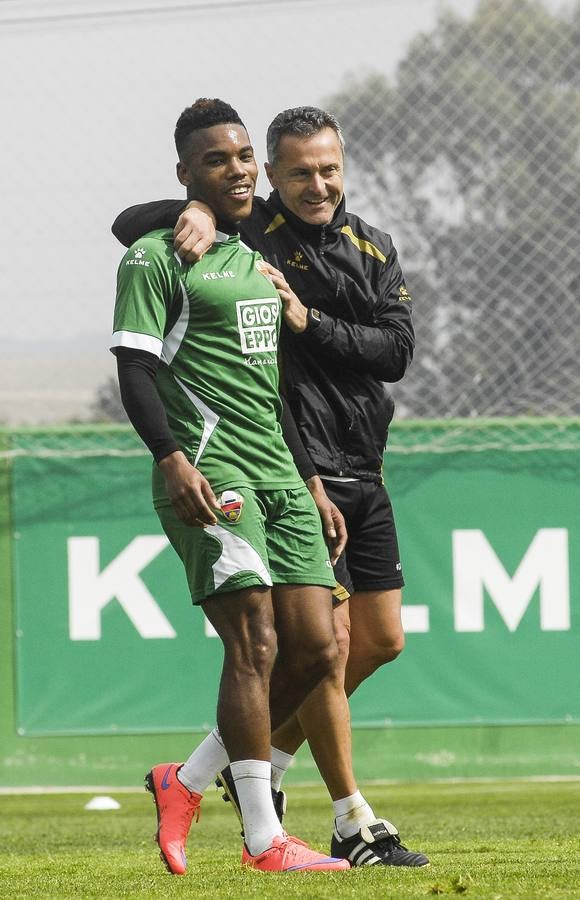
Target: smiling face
308,174
219,169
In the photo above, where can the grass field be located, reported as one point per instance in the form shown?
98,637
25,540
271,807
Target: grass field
497,840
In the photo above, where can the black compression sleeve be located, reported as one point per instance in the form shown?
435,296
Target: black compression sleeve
294,443
137,370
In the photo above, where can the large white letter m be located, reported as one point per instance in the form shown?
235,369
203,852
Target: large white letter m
544,566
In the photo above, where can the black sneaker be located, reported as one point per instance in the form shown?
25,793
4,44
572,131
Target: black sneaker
226,783
377,844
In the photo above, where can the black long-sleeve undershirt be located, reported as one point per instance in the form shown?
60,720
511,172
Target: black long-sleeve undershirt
137,371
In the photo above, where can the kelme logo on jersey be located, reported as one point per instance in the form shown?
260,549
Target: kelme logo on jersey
231,504
138,260
211,276
258,325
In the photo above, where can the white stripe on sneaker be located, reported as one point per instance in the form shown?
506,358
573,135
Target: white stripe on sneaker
368,860
359,848
362,859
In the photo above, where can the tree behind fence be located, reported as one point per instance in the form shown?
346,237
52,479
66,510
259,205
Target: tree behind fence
470,158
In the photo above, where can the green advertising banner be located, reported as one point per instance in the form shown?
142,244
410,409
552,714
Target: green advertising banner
108,642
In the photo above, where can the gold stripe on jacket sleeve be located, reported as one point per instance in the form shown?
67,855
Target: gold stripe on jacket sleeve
275,223
363,246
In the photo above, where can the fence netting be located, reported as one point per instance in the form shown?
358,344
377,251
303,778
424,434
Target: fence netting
470,158
469,155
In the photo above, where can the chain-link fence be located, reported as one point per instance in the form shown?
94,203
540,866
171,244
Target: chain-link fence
470,158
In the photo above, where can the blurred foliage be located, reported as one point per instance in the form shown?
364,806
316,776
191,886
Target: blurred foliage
107,405
471,159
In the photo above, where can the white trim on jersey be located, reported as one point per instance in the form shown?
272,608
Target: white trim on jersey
221,237
237,556
210,418
245,247
135,341
173,339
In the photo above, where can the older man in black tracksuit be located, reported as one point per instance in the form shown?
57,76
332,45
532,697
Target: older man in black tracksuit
347,330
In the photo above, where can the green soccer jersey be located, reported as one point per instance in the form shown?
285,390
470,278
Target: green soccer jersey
214,326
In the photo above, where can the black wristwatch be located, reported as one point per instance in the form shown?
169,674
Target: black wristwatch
314,317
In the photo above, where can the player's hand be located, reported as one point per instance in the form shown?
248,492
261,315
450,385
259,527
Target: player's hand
189,491
194,232
333,524
294,312
268,270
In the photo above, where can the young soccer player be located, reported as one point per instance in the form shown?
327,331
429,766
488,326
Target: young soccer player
196,350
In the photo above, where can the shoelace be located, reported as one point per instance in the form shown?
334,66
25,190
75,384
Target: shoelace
390,843
291,845
187,814
196,811
295,840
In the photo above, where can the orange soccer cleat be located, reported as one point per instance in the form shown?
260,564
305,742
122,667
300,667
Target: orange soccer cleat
289,854
176,807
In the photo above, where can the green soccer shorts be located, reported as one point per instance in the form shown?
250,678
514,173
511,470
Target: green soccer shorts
276,539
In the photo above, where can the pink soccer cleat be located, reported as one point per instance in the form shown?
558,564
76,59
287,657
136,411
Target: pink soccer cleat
176,807
289,854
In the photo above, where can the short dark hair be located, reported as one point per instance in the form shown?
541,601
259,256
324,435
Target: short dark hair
302,121
204,113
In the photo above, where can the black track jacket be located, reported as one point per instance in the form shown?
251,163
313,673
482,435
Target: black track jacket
333,374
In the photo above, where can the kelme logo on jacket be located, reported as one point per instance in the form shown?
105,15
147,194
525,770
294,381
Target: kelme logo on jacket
297,261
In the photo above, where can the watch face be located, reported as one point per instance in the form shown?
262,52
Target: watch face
315,313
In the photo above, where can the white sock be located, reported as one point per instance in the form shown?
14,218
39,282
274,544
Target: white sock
351,813
204,763
261,825
281,761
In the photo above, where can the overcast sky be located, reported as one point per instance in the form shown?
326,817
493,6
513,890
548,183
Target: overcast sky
90,92
88,109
